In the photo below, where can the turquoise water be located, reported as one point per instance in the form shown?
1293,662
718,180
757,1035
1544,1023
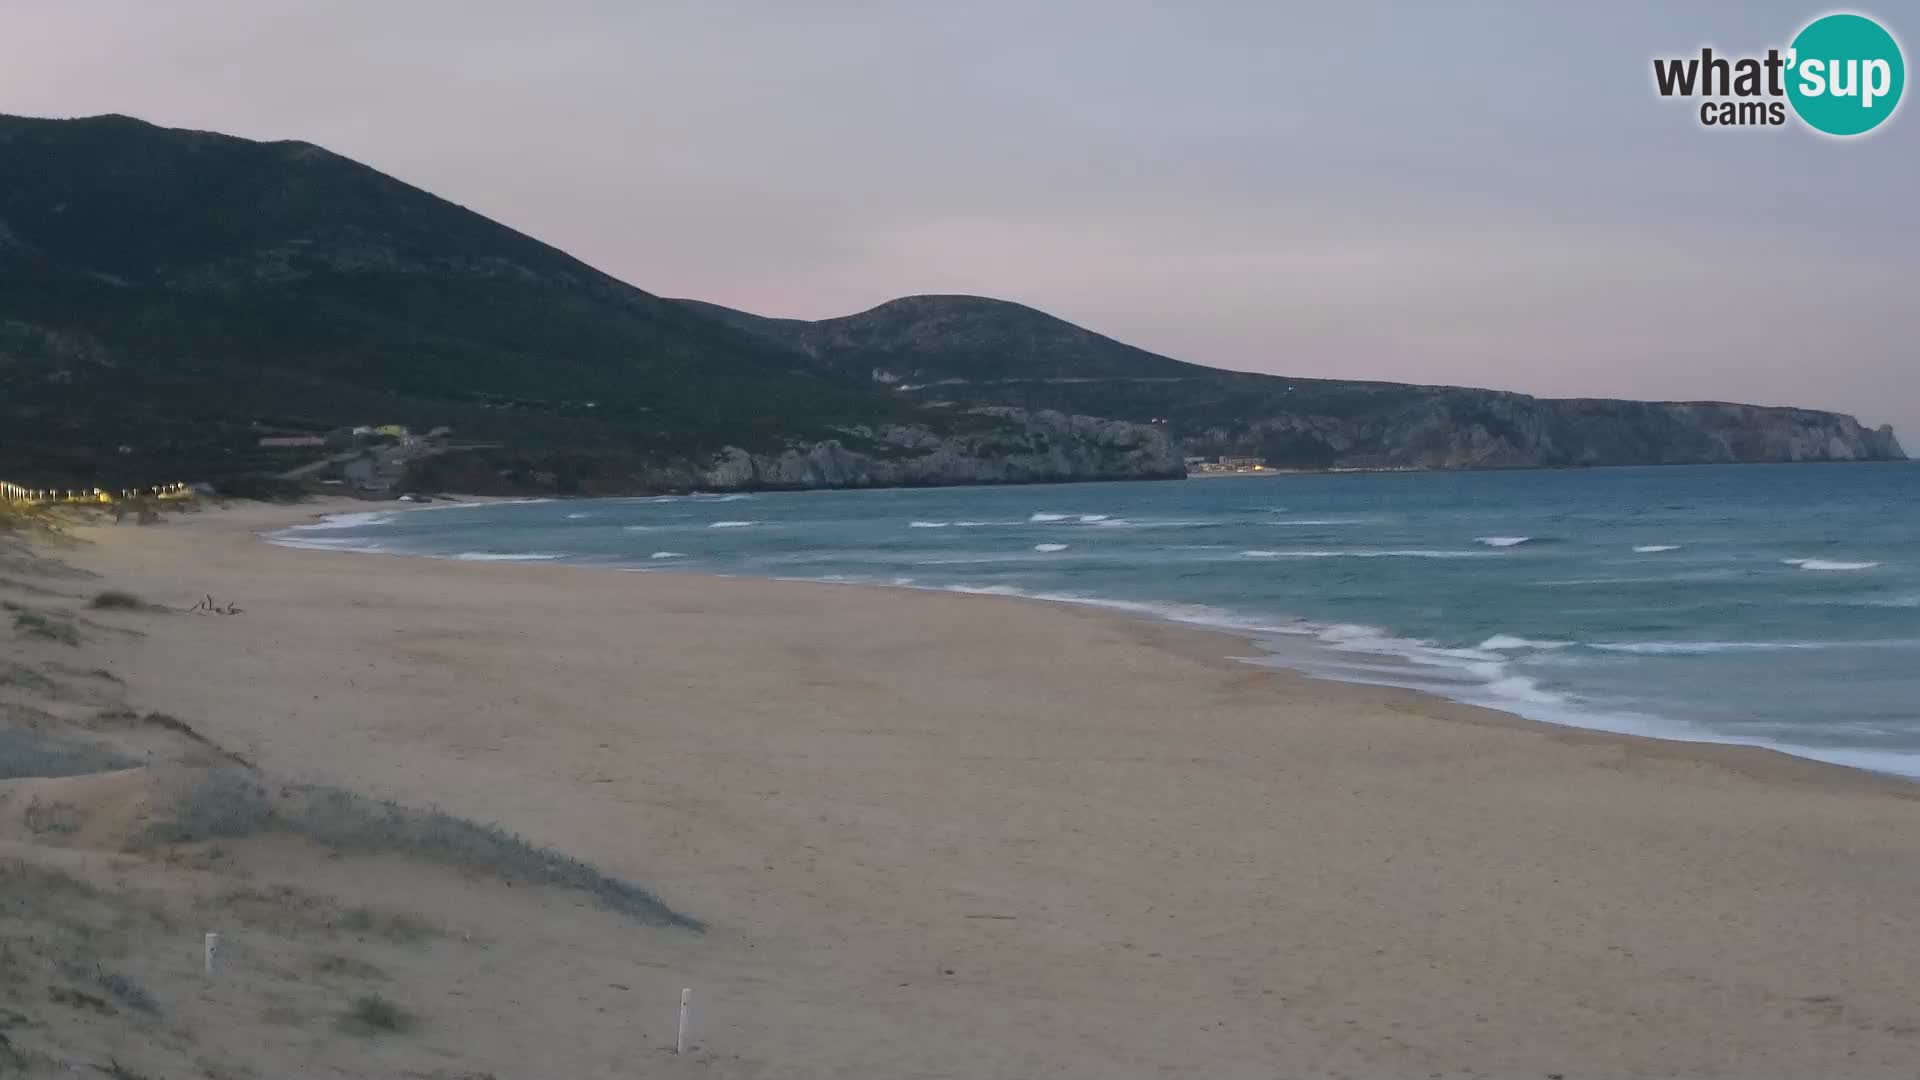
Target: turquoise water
1773,605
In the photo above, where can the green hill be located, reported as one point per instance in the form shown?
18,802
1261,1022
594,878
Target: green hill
176,292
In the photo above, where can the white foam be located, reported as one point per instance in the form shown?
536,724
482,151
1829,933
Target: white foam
1650,549
1040,517
667,555
1049,547
1706,648
731,524
928,524
504,556
348,521
1155,523
1402,553
318,543
1502,642
1089,519
1193,614
1502,541
481,505
1829,564
1319,521
1465,675
577,517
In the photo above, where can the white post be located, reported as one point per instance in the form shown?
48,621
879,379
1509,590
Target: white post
686,1002
213,951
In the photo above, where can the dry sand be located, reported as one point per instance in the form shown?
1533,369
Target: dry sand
963,836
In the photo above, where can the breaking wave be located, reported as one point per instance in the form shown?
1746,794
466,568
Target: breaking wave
1829,564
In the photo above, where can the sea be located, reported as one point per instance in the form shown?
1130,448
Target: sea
1769,605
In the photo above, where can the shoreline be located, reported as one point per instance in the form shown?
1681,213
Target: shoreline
1268,655
941,834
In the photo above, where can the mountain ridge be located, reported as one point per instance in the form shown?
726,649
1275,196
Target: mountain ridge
933,345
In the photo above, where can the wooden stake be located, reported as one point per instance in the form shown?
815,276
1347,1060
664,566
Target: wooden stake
686,1003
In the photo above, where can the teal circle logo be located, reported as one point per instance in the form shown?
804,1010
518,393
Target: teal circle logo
1845,74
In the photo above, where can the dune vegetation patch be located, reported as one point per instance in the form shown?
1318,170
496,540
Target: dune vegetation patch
373,1014
39,624
227,805
119,600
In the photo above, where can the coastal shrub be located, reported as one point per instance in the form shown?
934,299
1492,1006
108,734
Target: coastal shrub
117,600
371,1014
224,805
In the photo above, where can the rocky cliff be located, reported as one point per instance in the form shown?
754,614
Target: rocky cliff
1479,429
1017,448
1048,447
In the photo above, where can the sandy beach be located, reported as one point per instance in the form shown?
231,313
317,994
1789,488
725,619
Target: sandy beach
944,835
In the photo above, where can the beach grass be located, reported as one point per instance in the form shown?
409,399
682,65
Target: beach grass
226,805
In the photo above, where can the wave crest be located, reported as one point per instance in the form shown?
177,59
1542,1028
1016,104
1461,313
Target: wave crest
1829,564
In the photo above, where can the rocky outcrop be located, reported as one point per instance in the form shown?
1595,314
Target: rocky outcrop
1480,429
1046,447
995,446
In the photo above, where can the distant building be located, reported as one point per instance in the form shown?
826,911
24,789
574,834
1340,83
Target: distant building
292,440
1228,462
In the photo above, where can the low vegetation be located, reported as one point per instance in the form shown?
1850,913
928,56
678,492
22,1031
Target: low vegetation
400,927
372,1014
226,805
174,724
123,989
118,600
29,679
340,965
37,624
